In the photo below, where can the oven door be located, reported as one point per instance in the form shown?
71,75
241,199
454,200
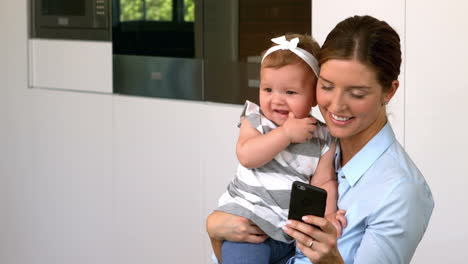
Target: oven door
70,19
80,14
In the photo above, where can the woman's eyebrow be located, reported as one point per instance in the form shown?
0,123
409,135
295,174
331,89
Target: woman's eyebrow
360,87
323,79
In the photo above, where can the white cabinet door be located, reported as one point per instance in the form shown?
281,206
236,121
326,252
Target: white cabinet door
70,65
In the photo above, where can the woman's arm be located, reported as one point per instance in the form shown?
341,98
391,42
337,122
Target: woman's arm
216,245
397,225
255,149
224,226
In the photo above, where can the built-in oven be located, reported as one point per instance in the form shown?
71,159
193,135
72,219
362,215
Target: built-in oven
157,48
71,19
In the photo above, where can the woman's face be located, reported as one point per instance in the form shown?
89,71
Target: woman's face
351,100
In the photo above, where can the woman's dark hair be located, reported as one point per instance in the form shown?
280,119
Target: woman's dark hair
370,41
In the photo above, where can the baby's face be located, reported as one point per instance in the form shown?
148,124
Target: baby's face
290,88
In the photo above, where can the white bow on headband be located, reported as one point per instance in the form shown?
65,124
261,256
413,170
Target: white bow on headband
284,44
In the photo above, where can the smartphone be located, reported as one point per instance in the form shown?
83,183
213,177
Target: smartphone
306,200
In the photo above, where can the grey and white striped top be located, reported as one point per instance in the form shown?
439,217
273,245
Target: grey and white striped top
262,194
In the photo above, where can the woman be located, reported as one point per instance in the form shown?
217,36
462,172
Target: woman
387,201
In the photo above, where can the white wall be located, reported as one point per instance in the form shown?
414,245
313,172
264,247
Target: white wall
436,97
96,178
90,178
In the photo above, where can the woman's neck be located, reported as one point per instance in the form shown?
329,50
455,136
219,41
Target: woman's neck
352,145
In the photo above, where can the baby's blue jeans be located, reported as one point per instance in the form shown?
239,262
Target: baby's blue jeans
268,252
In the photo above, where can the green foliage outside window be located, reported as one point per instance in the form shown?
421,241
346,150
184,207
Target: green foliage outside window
154,10
159,10
131,10
189,11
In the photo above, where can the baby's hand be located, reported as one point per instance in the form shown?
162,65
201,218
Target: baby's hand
338,219
299,130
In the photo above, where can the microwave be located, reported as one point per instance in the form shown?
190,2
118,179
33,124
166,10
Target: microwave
71,19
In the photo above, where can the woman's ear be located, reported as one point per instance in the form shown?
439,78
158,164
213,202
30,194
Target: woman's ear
391,92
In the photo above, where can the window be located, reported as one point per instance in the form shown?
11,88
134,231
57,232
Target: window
175,11
154,27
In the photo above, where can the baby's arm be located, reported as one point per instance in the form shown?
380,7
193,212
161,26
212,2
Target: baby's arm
255,149
325,177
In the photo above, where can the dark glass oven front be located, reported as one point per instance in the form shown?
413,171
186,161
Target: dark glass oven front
71,19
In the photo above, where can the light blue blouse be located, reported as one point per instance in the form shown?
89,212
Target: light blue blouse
387,200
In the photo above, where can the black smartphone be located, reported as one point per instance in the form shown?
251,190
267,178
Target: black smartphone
306,200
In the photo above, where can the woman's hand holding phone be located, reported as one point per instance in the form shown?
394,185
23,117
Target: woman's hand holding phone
319,244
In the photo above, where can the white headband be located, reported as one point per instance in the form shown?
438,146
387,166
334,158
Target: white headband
291,45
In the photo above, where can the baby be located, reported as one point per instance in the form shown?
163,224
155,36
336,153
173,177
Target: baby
279,143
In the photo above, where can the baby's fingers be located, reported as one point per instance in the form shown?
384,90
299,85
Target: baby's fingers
341,218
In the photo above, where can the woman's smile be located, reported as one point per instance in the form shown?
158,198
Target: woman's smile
340,119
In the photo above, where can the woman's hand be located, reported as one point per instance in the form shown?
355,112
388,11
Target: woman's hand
320,246
224,226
